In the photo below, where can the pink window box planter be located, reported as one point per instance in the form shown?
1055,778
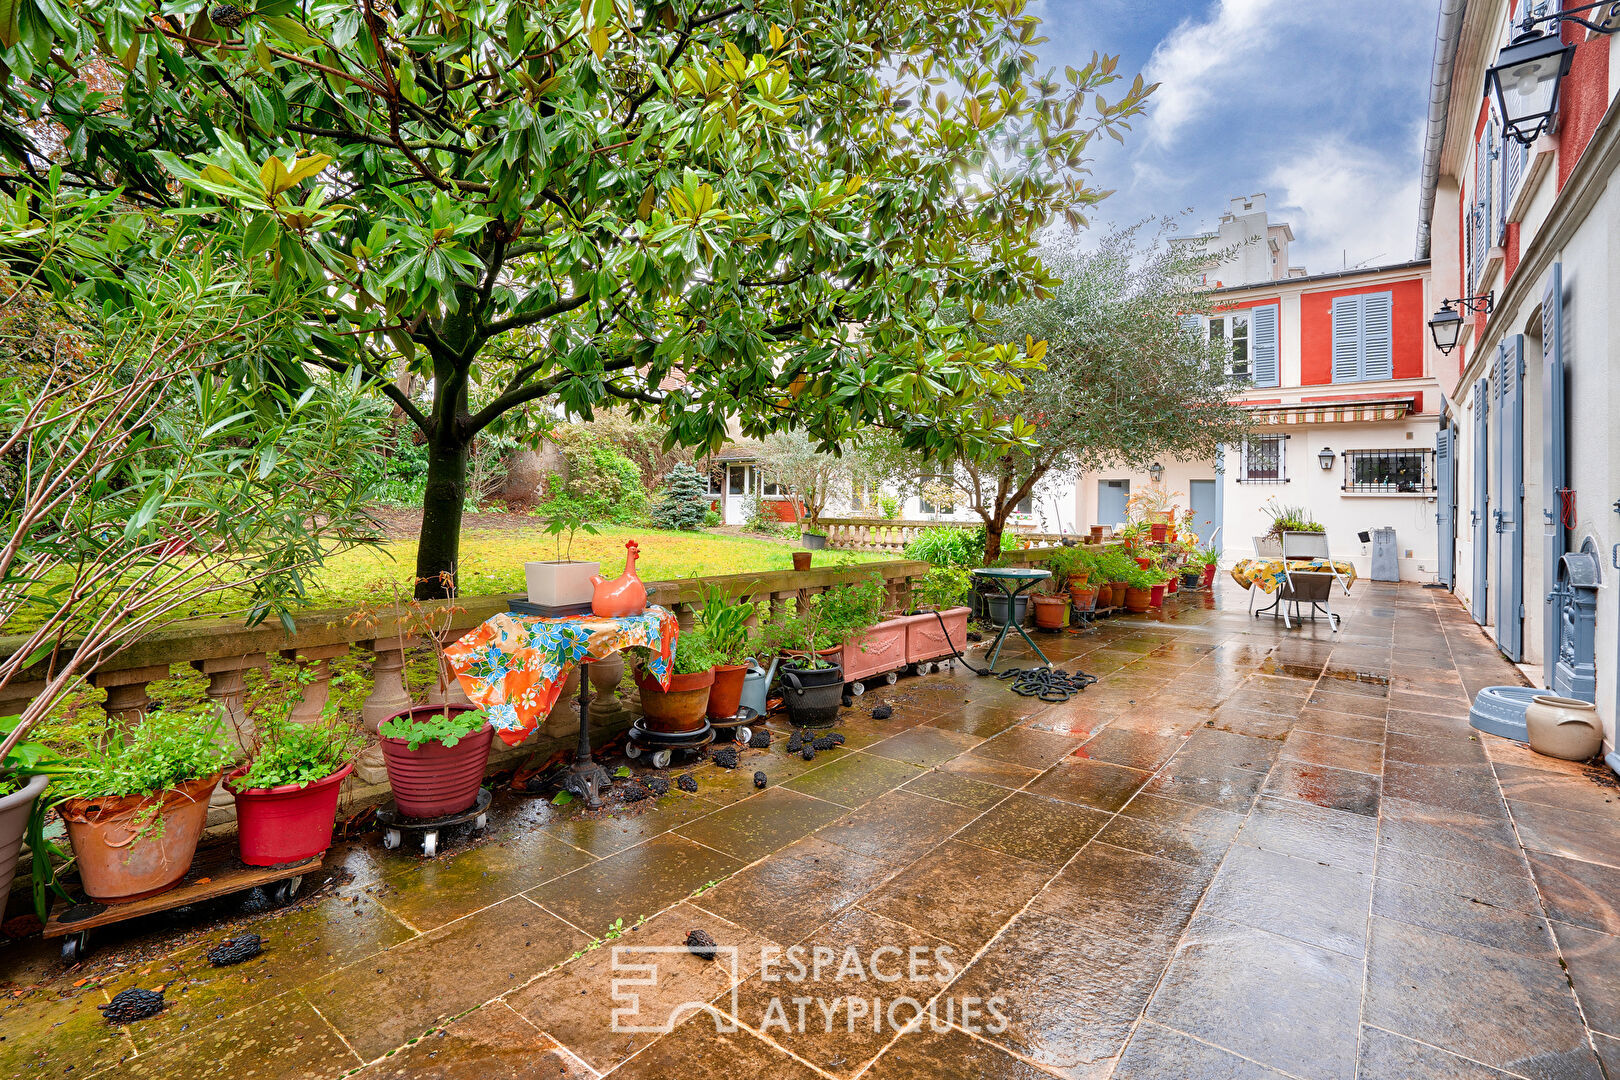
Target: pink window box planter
925,640
880,649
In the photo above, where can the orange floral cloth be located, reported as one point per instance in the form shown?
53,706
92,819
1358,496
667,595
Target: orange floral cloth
513,666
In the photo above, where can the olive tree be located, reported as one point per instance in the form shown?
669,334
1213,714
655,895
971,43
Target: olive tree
772,213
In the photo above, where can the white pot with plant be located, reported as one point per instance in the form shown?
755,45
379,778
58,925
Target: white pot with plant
563,583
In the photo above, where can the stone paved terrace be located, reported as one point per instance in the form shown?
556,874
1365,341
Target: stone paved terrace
1247,853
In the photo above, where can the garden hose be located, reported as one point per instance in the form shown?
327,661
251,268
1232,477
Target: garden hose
1044,683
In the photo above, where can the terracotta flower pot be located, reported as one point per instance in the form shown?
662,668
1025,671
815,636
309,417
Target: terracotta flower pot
1078,580
1084,599
1143,561
14,810
801,560
285,824
115,864
1105,594
682,707
725,696
1158,530
1156,595
1097,534
435,780
1051,612
1120,589
1137,600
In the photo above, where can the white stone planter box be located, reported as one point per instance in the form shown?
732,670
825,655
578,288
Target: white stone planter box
560,584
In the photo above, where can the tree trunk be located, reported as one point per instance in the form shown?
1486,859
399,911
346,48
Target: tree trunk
993,528
438,547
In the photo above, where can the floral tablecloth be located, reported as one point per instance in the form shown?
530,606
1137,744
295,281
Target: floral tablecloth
1268,573
513,666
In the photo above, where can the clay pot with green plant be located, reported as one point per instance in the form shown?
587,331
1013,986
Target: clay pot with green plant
135,806
724,622
682,705
287,794
811,674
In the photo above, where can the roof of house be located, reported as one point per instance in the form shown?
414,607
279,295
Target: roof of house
1414,264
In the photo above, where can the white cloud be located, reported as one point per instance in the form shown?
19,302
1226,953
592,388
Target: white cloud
1202,62
1347,204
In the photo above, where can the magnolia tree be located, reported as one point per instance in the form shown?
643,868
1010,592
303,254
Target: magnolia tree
1127,376
758,212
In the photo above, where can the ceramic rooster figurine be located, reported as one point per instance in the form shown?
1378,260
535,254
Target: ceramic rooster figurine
625,594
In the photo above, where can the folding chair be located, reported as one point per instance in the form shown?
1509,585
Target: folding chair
1309,545
1265,548
1313,587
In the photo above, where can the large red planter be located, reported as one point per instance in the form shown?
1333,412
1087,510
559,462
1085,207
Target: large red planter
1156,595
935,637
725,696
880,649
435,780
1159,530
285,824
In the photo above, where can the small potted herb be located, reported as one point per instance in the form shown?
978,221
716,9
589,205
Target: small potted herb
287,794
135,807
561,585
681,706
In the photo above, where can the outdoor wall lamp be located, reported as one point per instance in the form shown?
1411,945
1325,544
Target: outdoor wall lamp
1155,472
1527,74
1447,323
1326,458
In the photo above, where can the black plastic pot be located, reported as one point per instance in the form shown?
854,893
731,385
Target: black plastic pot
995,609
813,695
1191,579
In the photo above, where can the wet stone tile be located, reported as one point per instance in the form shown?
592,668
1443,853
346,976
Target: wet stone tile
1297,898
1468,880
1429,986
1445,912
897,828
1223,787
1274,1000
60,1034
1334,789
637,881
1342,725
1307,831
1585,789
951,788
606,835
757,826
1072,994
1027,748
696,1049
1385,1056
490,1043
788,895
1157,1052
380,1002
1124,894
1447,751
286,1039
1134,749
443,890
1034,827
1350,704
959,892
924,747
1097,784
1315,749
1228,748
1582,893
1591,958
1260,725
978,721
1183,832
854,779
948,1054
1589,837
989,771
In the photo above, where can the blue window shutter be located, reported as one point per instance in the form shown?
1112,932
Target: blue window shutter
1554,457
1445,515
1377,336
1346,338
1480,519
1509,513
1267,366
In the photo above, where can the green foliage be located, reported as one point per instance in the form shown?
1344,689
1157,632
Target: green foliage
561,523
1067,561
602,483
1113,564
889,505
694,653
848,611
943,587
724,624
26,760
163,750
792,459
1286,518
1209,556
398,474
447,726
294,753
711,518
951,546
685,502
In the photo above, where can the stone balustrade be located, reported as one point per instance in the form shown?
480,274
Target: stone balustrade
893,534
225,651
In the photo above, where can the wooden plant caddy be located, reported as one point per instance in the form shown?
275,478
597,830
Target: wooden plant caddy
214,873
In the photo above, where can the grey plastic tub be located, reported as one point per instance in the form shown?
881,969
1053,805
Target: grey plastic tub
14,810
1499,710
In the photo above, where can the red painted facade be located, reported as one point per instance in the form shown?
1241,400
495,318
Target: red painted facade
1583,99
1316,330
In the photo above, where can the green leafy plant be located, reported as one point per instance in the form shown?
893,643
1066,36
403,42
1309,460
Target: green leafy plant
446,726
949,546
1285,518
1209,556
287,752
848,611
685,501
800,635
889,505
27,760
943,587
724,622
570,523
1113,565
694,654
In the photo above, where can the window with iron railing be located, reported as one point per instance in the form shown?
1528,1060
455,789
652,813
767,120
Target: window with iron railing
1264,460
1401,471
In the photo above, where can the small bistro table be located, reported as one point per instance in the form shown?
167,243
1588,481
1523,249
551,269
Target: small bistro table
514,667
1013,581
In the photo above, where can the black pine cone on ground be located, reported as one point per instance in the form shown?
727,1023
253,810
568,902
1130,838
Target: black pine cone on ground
658,785
725,757
699,943
837,737
759,779
883,712
759,740
128,1006
234,950
634,792
809,753
227,15
823,742
849,701
686,783
795,742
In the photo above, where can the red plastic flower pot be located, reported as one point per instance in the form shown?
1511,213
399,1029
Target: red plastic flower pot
1143,561
1209,575
725,696
285,824
1156,595
1159,530
1171,586
436,780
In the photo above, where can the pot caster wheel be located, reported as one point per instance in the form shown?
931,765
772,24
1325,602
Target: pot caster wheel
480,821
632,751
430,843
891,678
284,890
660,759
391,839
75,947
857,688
742,736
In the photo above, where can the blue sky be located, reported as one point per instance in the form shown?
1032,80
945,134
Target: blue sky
1318,103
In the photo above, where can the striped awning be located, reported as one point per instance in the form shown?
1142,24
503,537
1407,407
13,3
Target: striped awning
1333,412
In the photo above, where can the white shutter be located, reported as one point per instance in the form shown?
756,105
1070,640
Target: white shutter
1347,338
1377,336
1263,345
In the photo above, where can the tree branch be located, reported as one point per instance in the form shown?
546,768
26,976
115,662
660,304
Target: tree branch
518,322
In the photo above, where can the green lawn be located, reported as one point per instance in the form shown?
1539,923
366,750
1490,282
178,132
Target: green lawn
492,560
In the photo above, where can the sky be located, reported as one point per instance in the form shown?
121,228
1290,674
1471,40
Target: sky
1318,103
